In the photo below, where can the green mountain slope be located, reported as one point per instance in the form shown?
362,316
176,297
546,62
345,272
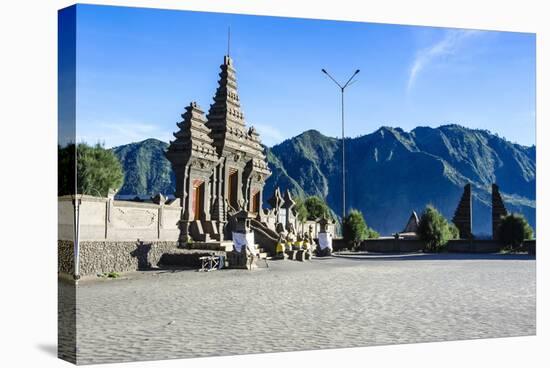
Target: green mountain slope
146,170
389,172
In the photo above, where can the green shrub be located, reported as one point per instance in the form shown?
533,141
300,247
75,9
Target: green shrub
312,208
316,208
513,230
109,275
301,210
434,230
373,234
355,229
455,233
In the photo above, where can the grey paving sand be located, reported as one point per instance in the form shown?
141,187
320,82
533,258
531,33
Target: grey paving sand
325,303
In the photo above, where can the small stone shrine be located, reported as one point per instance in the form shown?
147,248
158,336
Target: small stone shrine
325,238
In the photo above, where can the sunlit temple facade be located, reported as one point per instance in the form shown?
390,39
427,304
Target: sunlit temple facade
219,163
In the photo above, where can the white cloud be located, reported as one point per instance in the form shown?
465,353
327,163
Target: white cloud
125,132
448,46
269,134
116,134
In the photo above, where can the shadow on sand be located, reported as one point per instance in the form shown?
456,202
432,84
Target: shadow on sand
142,254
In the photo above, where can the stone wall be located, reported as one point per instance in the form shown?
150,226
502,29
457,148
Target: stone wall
112,220
485,246
65,256
303,227
106,256
391,245
382,245
97,257
531,246
339,244
116,235
474,246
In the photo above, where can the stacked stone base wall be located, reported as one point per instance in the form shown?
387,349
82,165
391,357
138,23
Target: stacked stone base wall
97,257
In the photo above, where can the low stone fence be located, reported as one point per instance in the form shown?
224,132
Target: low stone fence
112,220
65,257
485,246
392,245
116,235
382,245
531,246
97,257
474,246
339,244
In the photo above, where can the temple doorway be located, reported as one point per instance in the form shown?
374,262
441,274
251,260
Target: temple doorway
198,199
255,204
233,188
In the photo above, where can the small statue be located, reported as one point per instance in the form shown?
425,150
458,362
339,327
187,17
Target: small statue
290,238
298,243
306,242
280,249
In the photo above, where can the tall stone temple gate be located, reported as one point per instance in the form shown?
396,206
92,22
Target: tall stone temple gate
498,209
463,214
219,164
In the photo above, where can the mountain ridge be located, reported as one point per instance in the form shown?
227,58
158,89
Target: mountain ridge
390,172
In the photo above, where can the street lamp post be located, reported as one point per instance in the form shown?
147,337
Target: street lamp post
342,90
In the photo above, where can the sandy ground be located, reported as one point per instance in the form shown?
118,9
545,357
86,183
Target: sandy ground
325,303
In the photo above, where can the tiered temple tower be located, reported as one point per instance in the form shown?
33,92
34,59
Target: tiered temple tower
242,169
227,170
193,157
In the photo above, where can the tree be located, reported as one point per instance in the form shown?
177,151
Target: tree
98,170
434,229
316,208
301,210
355,228
66,167
312,208
514,229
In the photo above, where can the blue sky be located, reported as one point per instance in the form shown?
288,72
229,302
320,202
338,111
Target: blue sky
138,68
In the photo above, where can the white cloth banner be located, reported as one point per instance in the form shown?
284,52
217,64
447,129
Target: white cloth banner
325,240
246,240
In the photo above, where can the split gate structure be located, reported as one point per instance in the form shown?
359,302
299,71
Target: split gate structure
219,164
463,214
